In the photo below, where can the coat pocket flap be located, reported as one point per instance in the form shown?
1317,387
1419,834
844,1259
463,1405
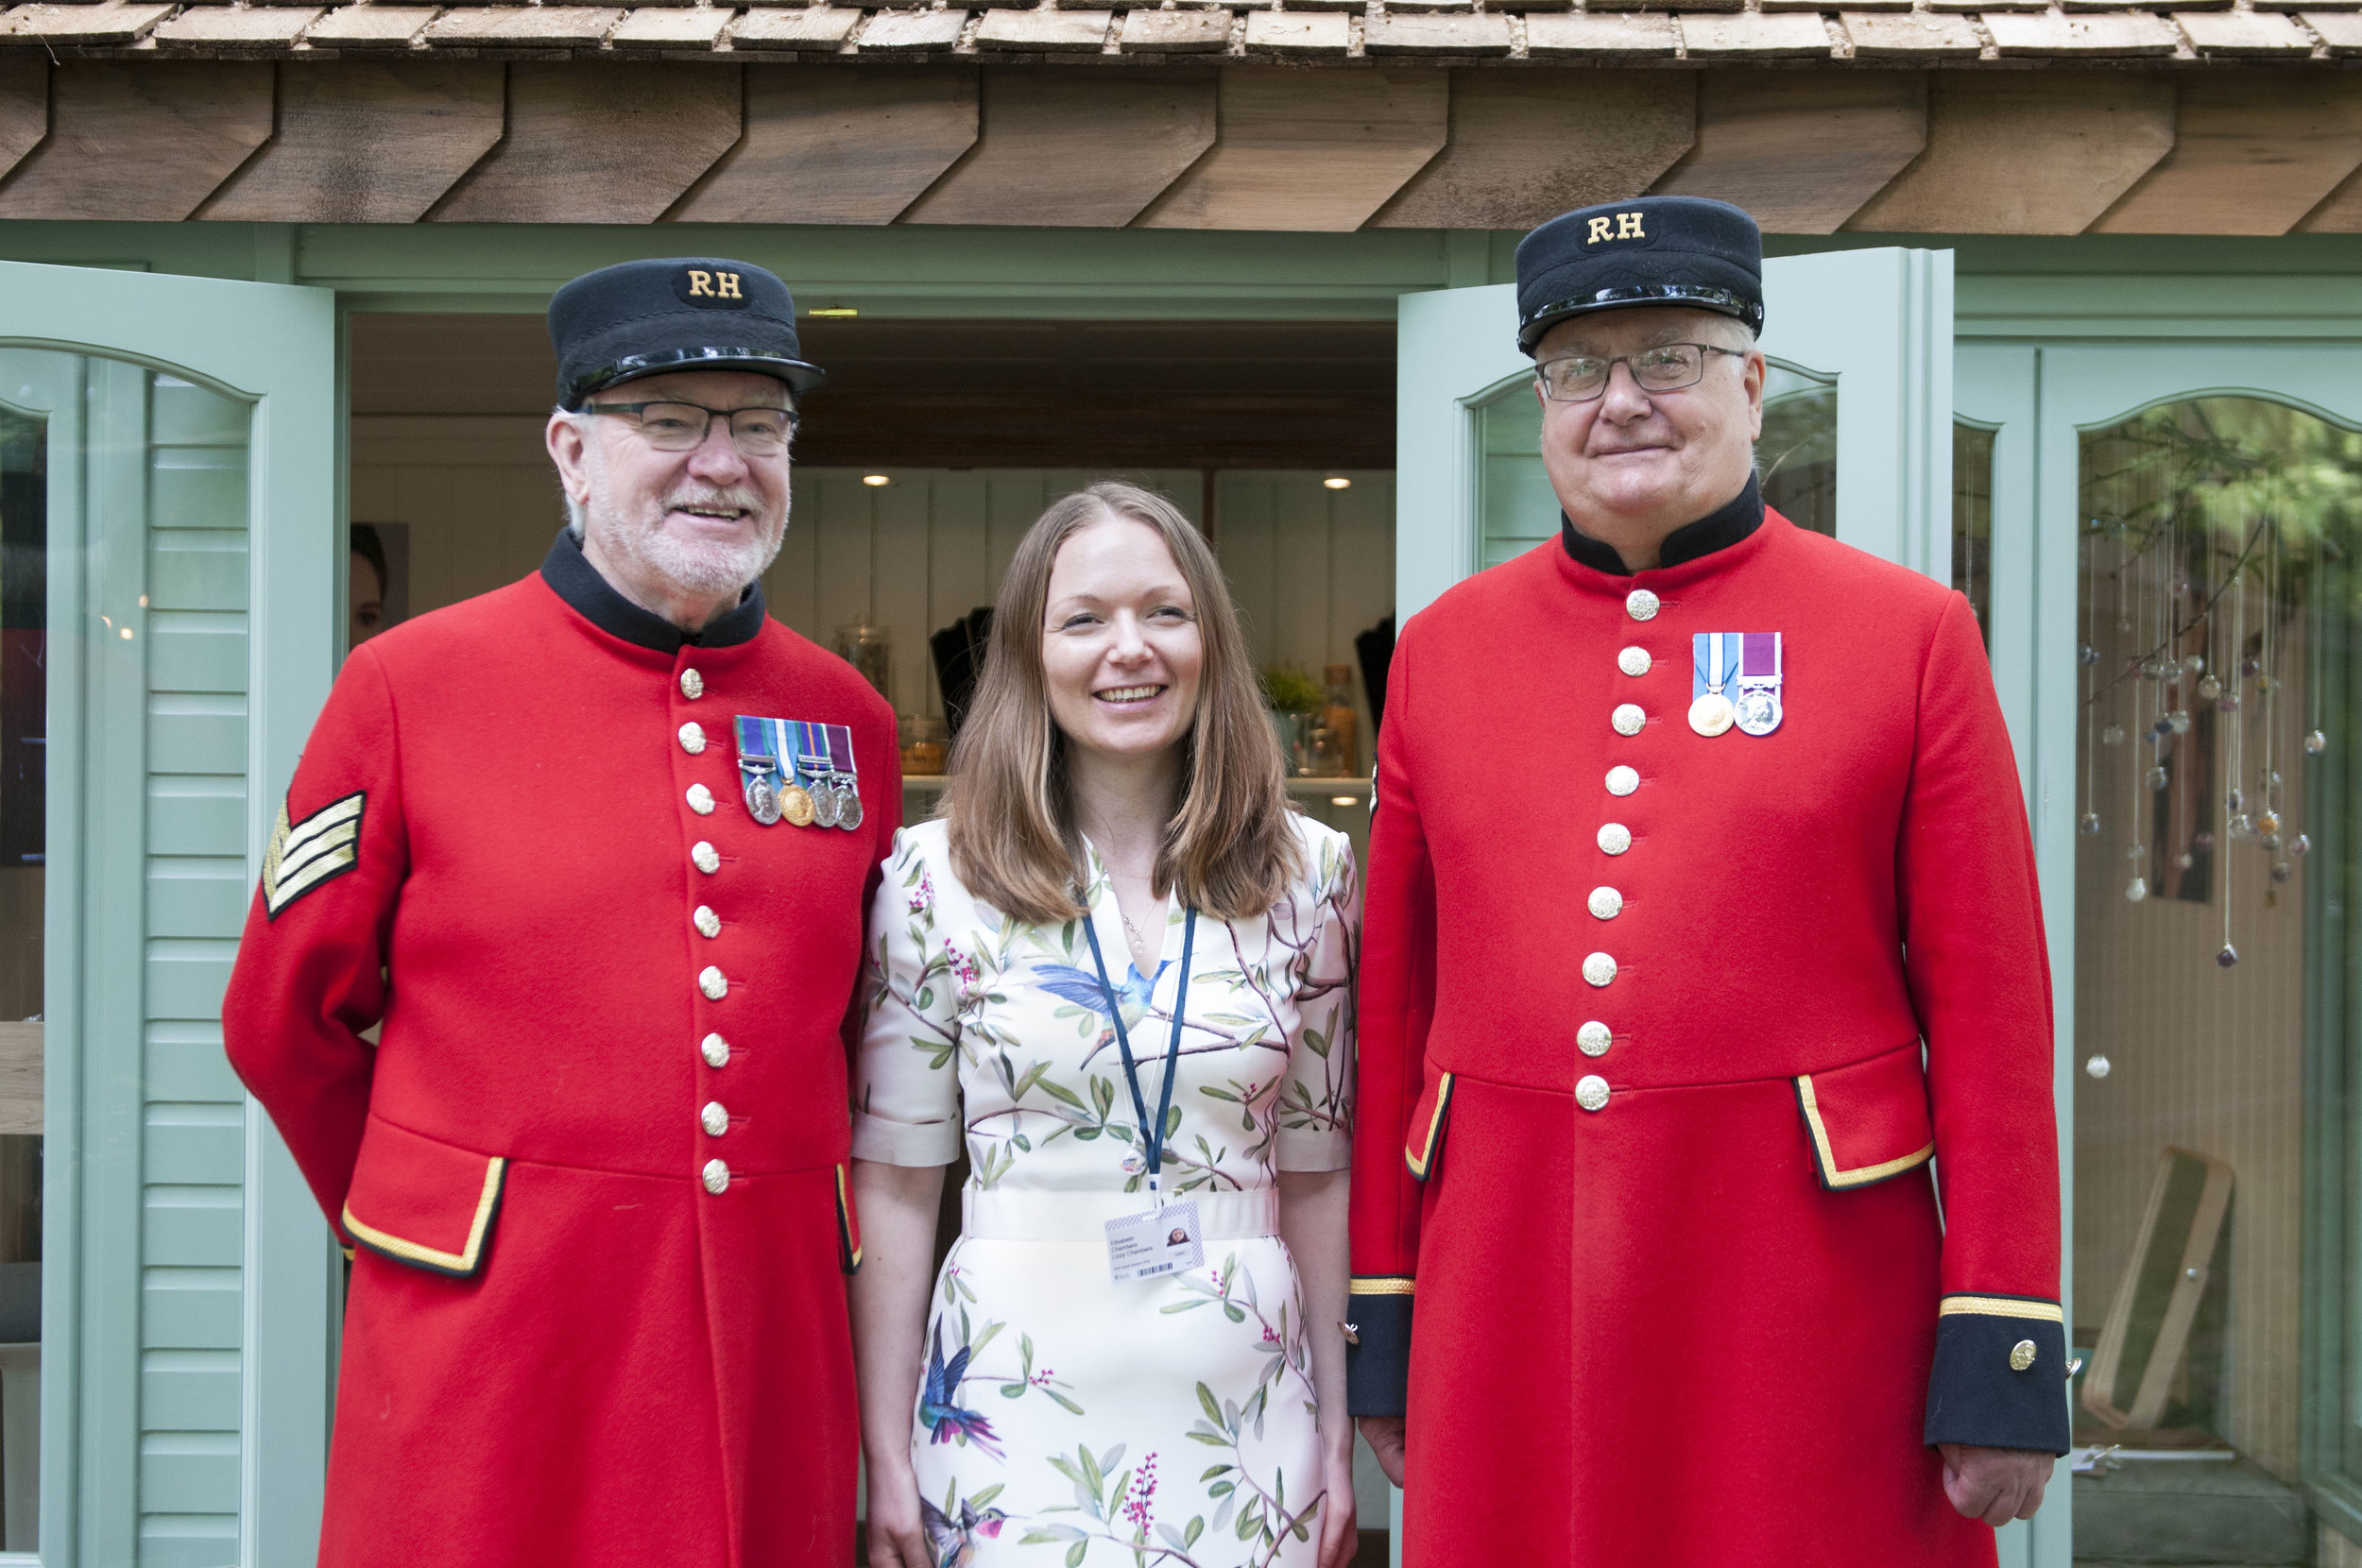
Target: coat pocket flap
1423,1140
1868,1120
421,1201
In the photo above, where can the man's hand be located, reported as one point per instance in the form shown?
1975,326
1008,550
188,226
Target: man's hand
1996,1485
1384,1436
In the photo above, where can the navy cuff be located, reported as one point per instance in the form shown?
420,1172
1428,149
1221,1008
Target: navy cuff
1999,1381
1377,1354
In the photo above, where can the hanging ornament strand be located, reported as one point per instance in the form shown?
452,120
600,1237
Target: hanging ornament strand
2087,655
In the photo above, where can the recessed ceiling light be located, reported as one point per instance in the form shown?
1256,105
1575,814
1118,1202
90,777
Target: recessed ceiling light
1338,482
875,479
1344,800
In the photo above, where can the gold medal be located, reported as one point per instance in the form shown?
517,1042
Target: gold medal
795,804
1711,714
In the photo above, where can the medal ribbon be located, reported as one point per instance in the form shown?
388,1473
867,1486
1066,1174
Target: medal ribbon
1713,652
1759,657
754,738
1152,1137
812,750
840,741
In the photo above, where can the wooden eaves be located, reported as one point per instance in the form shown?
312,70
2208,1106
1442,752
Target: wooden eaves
1947,117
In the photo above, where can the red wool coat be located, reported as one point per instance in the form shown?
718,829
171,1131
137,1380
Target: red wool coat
1699,1311
561,1344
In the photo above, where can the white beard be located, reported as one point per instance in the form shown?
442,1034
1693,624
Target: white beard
696,566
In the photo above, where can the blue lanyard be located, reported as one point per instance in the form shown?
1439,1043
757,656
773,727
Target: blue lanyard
1152,1137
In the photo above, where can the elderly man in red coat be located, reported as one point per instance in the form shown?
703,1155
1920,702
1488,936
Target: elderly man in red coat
594,850
1676,1011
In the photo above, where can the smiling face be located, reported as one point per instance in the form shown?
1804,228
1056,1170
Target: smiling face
1120,649
676,530
1634,466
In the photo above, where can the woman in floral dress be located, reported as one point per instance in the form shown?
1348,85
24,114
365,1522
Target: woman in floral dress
1117,824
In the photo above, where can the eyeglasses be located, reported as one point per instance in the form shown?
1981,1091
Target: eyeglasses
1668,367
682,427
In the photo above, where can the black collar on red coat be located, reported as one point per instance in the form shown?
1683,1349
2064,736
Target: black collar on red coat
1717,530
575,580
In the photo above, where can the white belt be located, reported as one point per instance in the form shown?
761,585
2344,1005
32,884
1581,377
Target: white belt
1083,1216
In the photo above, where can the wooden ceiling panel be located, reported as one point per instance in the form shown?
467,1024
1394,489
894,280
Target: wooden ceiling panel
1802,150
24,108
143,142
2029,152
2254,152
1074,148
1527,146
1308,150
329,161
828,143
598,143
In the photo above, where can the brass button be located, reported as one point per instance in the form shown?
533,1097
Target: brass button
692,737
715,984
716,1176
2022,1356
715,1049
707,922
714,1119
1594,1038
1597,969
693,685
701,800
703,856
1606,903
1640,605
1591,1094
1628,717
1615,838
1633,662
1622,782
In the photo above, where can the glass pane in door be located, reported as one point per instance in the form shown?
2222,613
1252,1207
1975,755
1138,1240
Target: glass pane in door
1972,520
24,735
2218,596
1797,452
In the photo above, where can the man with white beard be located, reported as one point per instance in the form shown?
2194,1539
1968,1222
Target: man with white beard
591,851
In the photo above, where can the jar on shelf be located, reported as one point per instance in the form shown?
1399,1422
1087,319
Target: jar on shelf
1341,755
926,747
869,650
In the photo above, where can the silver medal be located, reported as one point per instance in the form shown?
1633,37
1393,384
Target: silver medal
1758,710
763,801
848,813
824,804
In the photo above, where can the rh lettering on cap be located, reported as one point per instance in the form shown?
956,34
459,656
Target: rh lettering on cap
713,285
1623,226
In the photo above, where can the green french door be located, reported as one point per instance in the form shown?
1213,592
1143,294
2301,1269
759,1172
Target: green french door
2176,536
167,630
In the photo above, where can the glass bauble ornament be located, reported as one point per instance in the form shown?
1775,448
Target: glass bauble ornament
2209,688
2097,1066
2235,800
2089,826
2171,674
2315,742
2280,870
2186,861
2137,853
2202,840
2158,731
2087,655
2179,720
2195,664
2152,669
2124,624
2270,841
2272,779
2267,821
2300,845
2159,779
2251,664
2228,702
2228,957
2241,829
2136,890
2265,683
2112,736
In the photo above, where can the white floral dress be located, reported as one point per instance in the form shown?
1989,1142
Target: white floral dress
1164,1423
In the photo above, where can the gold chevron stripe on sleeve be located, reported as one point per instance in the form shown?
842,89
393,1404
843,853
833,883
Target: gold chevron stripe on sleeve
303,855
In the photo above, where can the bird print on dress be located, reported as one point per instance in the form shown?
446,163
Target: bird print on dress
1070,984
946,1421
952,1542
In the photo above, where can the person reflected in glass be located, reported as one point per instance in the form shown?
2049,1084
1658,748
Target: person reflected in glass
1117,910
364,587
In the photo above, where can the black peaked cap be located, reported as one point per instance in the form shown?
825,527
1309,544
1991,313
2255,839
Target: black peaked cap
682,312
1650,250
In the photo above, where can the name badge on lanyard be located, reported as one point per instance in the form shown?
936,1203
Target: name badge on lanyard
1166,1239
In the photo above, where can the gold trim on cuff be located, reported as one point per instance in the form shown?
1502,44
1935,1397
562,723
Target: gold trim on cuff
1861,1176
1382,1284
2002,1306
462,1262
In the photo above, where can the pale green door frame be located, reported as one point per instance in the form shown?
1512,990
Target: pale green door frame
271,350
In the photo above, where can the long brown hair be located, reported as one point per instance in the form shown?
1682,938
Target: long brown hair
1230,848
